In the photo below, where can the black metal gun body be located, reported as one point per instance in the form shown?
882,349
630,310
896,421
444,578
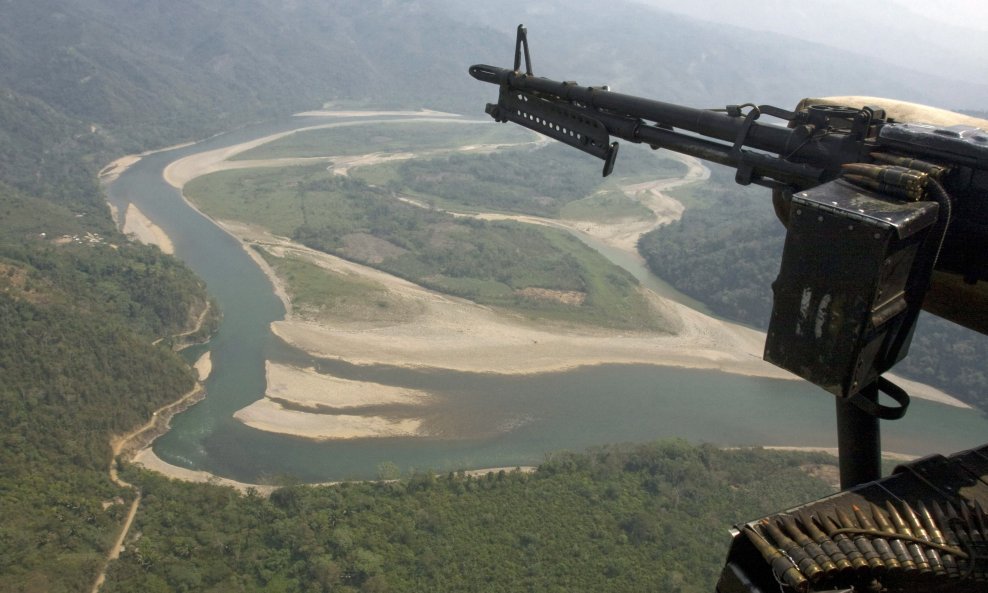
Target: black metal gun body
808,152
590,115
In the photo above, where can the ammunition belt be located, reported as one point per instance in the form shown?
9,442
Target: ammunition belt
923,528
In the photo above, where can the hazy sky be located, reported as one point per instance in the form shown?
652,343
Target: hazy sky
966,13
941,37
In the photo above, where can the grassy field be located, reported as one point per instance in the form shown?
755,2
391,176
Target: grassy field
609,205
391,137
552,181
539,272
319,294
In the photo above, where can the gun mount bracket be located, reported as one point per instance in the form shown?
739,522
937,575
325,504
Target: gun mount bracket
746,170
878,410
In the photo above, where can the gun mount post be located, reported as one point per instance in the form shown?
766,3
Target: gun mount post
859,441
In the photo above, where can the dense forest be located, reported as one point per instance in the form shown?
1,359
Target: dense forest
623,518
507,181
80,311
726,250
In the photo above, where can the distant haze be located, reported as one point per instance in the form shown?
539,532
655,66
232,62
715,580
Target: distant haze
941,37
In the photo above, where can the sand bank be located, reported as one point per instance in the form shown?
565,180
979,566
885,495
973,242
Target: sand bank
354,113
183,170
204,366
115,169
148,460
321,396
111,172
311,389
145,231
892,456
270,416
927,392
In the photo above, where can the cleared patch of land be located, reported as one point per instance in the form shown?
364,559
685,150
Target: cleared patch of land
391,137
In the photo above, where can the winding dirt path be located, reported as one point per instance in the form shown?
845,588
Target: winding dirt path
123,444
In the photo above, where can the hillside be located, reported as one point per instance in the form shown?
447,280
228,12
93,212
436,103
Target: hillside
623,518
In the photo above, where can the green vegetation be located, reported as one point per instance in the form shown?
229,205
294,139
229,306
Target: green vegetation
518,181
634,518
726,251
605,206
358,138
79,309
321,294
538,271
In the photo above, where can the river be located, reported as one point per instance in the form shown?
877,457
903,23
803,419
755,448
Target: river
511,420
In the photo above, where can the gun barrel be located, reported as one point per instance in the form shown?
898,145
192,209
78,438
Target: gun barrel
705,122
626,117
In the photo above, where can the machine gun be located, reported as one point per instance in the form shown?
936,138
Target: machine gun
885,205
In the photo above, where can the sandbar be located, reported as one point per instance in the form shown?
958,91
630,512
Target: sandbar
321,396
204,366
111,172
145,231
309,388
270,416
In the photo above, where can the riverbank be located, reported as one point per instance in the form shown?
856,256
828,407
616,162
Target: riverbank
136,224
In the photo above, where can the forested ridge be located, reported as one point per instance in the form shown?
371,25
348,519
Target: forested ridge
726,251
621,518
80,310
